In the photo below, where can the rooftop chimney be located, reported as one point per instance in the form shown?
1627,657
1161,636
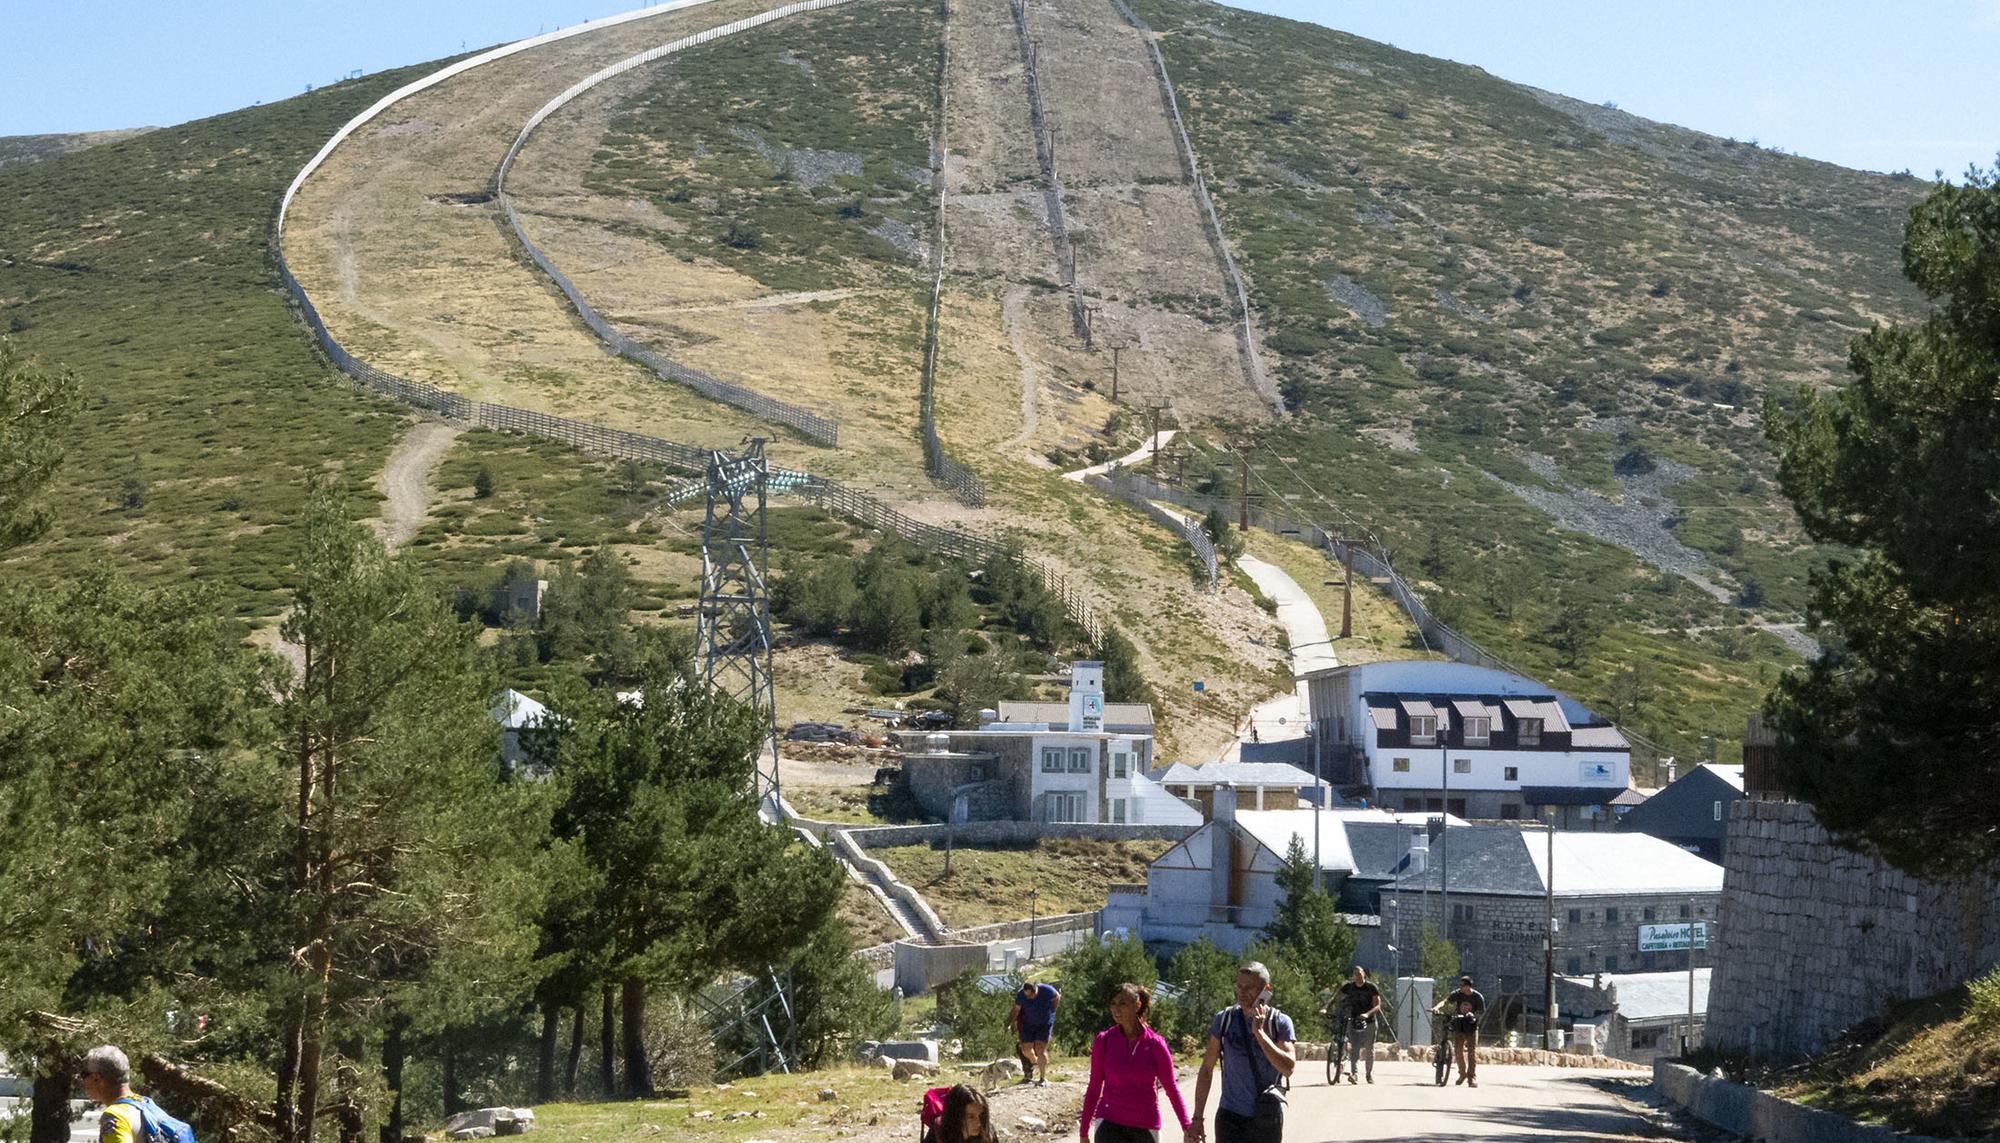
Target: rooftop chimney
1086,696
1225,802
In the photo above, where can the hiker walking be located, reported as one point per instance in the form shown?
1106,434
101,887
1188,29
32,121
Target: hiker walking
1359,1001
1034,1022
128,1118
1254,1043
1466,1006
1129,1065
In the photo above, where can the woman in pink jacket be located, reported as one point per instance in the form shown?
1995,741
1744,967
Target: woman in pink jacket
1129,1063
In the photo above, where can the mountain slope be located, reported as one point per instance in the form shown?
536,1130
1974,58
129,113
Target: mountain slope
1527,338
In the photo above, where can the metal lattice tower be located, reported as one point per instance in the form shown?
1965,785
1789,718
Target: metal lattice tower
733,631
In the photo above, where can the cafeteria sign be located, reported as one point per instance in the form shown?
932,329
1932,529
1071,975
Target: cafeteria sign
1668,938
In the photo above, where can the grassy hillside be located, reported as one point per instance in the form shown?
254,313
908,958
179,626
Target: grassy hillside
33,148
1930,1067
143,266
1528,337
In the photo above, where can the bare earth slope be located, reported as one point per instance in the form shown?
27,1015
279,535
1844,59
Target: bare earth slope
396,239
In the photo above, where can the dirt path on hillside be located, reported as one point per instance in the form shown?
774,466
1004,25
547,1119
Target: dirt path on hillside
406,481
1012,316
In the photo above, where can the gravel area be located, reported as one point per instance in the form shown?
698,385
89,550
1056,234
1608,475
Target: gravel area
1352,294
809,167
1637,522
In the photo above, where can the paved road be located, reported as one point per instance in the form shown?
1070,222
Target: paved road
1284,716
1136,456
1510,1105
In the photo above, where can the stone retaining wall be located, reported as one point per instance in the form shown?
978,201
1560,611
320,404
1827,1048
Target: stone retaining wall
1003,832
1743,1110
1816,939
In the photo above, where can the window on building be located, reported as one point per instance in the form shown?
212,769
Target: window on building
1461,765
1118,811
1647,1037
1650,913
1610,916
1079,760
1510,812
1065,807
1529,732
1684,912
1478,731
1400,765
1423,730
1460,912
1718,811
1052,760
1575,965
1413,804
1575,918
975,773
1121,764
1511,773
1611,964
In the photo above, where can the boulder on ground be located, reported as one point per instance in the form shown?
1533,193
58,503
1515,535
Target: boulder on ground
487,1122
925,1050
906,1069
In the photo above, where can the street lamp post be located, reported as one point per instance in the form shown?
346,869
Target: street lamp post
1444,825
1549,942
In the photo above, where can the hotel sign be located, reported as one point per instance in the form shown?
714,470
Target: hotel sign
1668,938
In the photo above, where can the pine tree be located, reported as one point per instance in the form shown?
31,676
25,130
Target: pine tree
35,405
691,882
1890,733
1310,931
410,864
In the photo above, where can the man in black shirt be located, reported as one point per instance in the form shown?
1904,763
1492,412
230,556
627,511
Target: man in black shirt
1465,1006
1354,1009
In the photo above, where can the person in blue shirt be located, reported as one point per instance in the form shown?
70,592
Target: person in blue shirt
1254,1043
1034,1022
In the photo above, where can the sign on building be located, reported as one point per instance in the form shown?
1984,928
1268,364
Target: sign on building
1673,937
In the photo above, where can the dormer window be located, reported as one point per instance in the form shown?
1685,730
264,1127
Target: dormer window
1530,732
1478,731
1423,730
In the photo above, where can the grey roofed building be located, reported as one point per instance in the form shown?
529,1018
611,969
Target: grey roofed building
1640,1015
1692,812
1119,717
1259,785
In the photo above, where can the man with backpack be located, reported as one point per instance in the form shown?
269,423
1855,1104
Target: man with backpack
128,1118
1254,1043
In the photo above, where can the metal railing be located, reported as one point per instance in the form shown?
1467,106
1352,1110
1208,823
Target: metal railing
1246,328
1118,483
811,426
942,468
1045,155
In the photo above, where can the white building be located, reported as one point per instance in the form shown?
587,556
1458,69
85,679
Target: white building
1221,881
1481,743
1079,769
1259,785
516,713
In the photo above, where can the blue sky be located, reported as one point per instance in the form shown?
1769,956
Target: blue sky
1866,84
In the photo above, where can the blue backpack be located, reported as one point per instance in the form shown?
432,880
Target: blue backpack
156,1125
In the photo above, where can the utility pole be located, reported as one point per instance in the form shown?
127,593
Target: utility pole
1347,591
1115,347
1243,497
1549,942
